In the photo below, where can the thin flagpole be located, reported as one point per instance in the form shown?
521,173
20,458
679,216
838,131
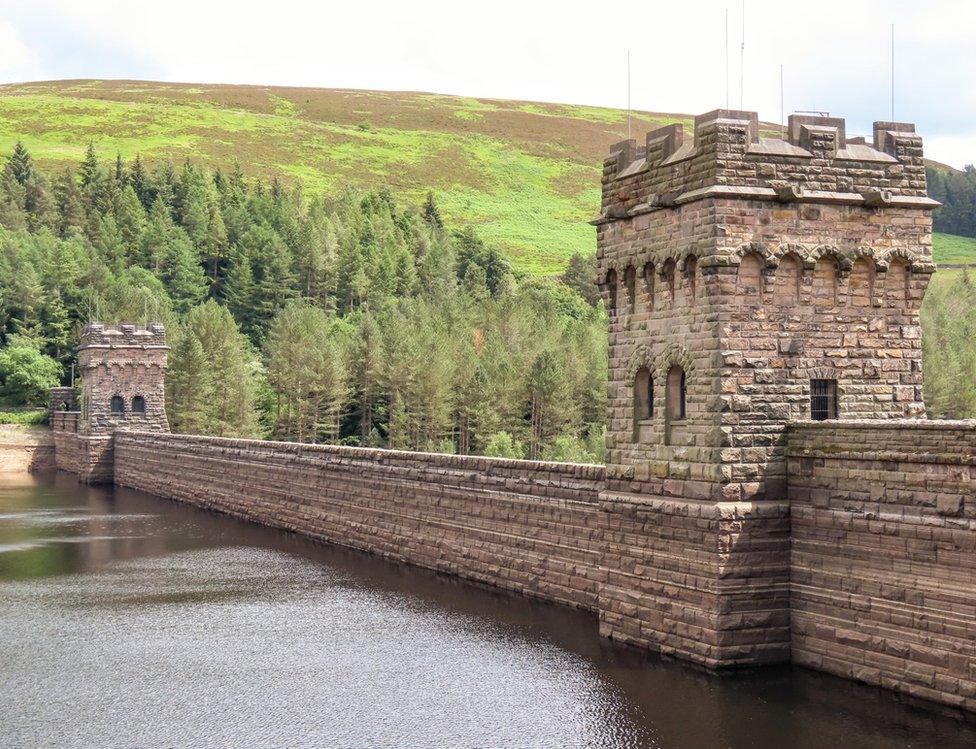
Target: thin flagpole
726,58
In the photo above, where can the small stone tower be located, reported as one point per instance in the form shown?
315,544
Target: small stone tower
750,281
123,371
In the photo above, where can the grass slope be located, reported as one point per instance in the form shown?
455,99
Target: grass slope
527,174
953,250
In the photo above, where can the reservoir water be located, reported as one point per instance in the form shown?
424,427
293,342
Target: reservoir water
127,620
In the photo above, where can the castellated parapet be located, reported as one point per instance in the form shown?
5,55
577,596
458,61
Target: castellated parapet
750,282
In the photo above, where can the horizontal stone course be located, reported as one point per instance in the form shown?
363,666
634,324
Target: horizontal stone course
527,526
883,557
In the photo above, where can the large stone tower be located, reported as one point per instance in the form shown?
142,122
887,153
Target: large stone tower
750,281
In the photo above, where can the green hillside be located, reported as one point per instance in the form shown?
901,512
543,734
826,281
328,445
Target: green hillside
952,250
526,174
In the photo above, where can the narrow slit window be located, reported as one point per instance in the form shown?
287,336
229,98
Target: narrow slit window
676,394
612,290
644,394
823,399
630,281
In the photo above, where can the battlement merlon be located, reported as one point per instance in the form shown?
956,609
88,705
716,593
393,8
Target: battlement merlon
726,157
123,335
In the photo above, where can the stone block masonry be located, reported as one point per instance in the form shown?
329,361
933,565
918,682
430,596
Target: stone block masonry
525,526
883,560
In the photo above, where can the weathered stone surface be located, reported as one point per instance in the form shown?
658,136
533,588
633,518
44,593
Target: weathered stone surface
125,363
770,264
883,578
527,526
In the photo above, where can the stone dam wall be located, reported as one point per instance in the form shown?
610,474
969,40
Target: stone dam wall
525,526
868,571
883,562
25,449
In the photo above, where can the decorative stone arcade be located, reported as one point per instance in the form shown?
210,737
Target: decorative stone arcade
750,282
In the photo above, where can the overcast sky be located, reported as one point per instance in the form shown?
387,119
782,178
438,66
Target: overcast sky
835,55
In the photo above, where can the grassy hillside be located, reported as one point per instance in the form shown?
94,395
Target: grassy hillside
953,250
526,173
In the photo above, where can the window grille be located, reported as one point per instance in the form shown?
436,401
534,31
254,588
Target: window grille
823,399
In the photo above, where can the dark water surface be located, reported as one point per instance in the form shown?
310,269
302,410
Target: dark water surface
127,620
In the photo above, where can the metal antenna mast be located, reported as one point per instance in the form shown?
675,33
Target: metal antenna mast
726,58
892,72
782,102
742,59
628,94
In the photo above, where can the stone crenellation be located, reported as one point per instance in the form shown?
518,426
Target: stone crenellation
772,491
726,157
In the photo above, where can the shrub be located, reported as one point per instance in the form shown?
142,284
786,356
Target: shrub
568,449
503,445
25,417
27,374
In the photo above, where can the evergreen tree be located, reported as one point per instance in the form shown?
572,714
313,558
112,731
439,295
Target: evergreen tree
70,205
189,386
21,164
432,214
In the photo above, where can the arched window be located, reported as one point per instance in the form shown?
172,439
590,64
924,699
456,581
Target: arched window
643,394
691,273
750,278
789,274
138,405
63,406
668,275
649,284
117,404
896,283
630,281
862,282
676,394
825,281
611,290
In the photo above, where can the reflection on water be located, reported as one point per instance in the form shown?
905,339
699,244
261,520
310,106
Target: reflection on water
131,621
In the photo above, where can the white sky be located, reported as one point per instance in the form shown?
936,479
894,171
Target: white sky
835,54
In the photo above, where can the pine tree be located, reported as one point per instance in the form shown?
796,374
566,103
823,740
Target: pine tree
230,409
130,217
12,201
432,214
189,386
21,164
70,205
